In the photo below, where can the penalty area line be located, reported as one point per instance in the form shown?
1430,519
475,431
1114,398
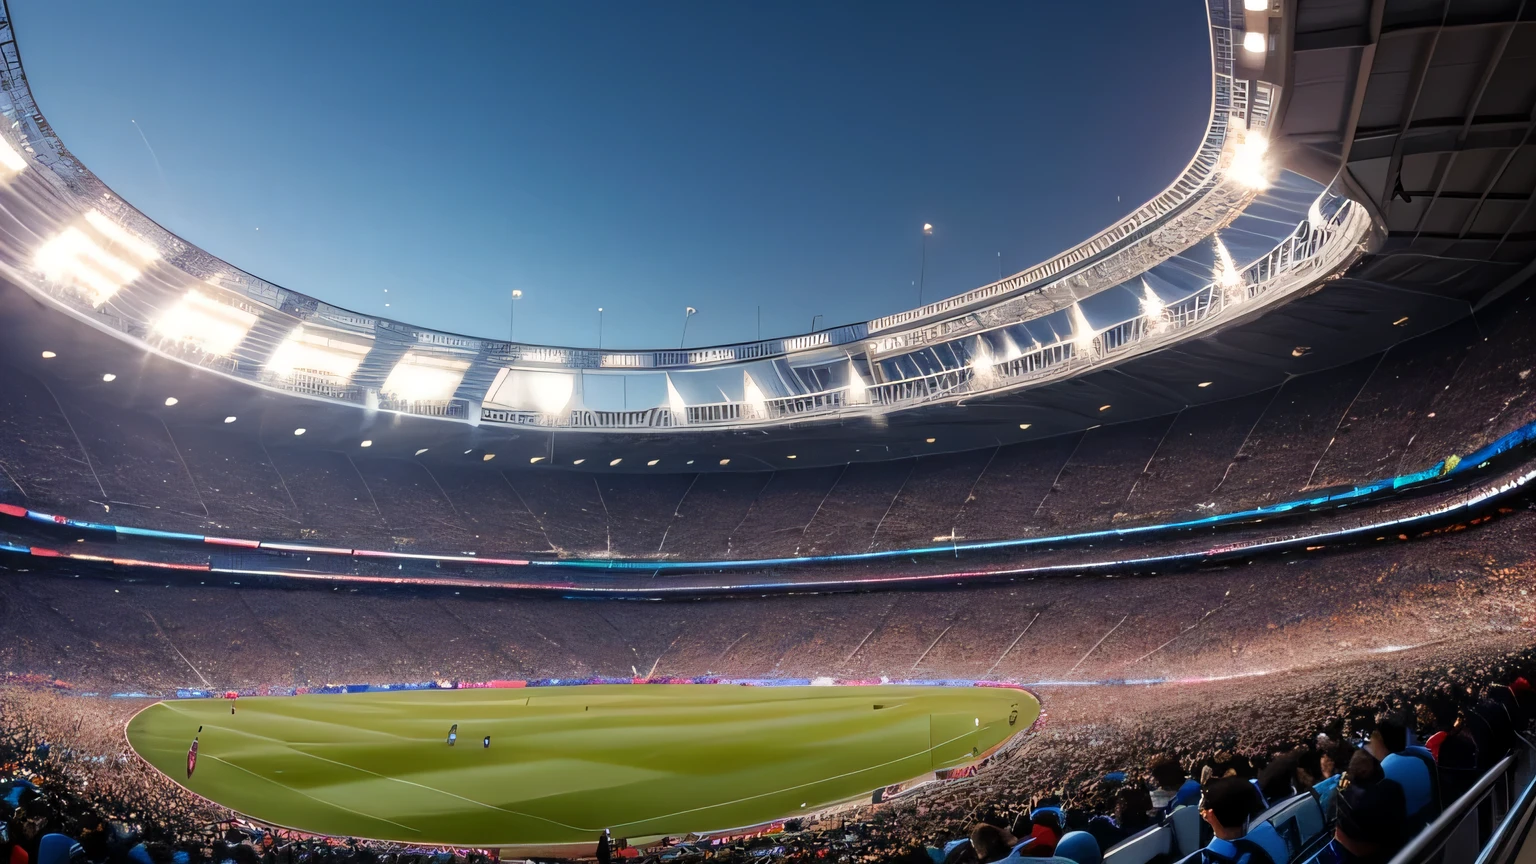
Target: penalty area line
307,795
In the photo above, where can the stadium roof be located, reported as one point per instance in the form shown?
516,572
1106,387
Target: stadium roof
1395,284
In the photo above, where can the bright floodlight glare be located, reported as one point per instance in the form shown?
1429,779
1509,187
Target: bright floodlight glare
487,457
1082,331
229,419
421,451
170,400
315,353
653,462
615,461
675,403
425,377
73,258
1227,274
1025,425
199,320
10,159
578,461
537,459
368,443
118,236
109,377
753,395
300,431
1256,5
1248,164
725,461
1255,42
858,391
930,440
1151,304
49,355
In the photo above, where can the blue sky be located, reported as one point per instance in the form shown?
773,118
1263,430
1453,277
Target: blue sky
639,156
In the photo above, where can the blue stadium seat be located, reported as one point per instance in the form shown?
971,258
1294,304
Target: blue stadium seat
1079,846
1265,835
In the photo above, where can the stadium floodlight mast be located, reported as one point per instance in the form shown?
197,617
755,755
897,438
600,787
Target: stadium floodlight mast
517,294
922,270
599,328
688,312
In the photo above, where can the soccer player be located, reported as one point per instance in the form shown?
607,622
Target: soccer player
453,734
486,742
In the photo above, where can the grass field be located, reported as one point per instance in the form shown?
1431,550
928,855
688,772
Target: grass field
566,762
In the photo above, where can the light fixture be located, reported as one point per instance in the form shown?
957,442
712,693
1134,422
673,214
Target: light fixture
467,452
1400,322
421,451
1203,384
725,461
690,462
653,462
1248,165
1301,350
109,377
170,400
487,457
537,459
12,160
205,323
49,355
1255,42
420,377
300,431
790,456
616,461
368,443
229,419
930,440
1025,425
316,353
1103,407
578,461
1256,5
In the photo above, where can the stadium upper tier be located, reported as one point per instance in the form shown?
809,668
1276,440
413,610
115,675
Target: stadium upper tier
78,247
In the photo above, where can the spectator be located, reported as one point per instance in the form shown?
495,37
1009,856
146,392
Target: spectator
1043,828
1277,780
1226,805
1372,816
1171,786
991,842
1334,759
1414,772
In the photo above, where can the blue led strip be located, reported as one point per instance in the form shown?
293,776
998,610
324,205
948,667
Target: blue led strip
1444,468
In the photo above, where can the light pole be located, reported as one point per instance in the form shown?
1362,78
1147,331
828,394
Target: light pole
512,327
599,328
922,270
688,312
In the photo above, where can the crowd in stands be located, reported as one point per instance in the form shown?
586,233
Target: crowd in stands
1378,778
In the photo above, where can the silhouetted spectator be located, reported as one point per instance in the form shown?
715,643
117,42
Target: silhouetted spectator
1225,805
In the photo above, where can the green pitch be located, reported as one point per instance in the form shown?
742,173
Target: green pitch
566,762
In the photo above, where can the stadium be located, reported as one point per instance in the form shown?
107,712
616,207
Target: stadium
1024,571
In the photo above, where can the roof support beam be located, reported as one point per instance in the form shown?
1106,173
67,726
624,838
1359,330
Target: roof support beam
1444,165
1420,73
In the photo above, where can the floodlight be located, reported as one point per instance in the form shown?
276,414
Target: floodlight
316,352
1255,42
10,159
1248,165
201,321
425,377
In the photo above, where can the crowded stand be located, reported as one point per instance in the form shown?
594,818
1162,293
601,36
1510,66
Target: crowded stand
1368,420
